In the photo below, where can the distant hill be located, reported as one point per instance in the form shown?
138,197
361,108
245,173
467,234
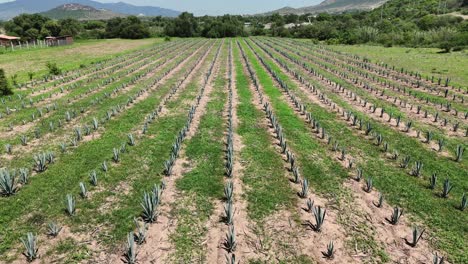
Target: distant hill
80,12
332,6
9,10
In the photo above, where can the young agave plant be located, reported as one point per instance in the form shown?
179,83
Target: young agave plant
23,176
229,191
231,243
130,256
70,206
433,181
416,236
417,168
8,148
30,246
116,155
141,231
8,184
296,175
405,162
358,174
229,212
464,203
369,184
305,189
231,259
438,260
104,166
93,178
83,191
459,153
149,204
329,254
131,140
447,187
319,214
53,229
379,203
309,205
395,217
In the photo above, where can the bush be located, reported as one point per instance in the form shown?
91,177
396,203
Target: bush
53,68
5,88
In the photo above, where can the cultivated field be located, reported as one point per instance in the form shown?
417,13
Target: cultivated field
254,150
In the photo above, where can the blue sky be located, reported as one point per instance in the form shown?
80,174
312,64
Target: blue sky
219,7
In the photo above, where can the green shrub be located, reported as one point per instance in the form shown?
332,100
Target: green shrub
5,88
53,68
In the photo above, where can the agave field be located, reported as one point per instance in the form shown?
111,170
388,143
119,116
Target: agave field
249,150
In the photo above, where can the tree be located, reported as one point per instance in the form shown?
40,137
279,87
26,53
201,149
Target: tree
5,88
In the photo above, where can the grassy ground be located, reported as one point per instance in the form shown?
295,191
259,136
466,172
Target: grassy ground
67,57
426,61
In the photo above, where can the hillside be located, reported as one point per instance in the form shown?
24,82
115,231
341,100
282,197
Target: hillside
80,12
11,9
332,6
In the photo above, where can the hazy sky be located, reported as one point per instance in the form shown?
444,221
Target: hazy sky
218,7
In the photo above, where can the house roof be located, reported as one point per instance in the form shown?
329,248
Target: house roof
8,37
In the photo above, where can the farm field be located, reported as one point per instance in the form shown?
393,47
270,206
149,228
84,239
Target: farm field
21,62
247,150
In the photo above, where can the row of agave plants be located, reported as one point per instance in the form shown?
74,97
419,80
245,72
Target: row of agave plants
336,87
150,199
347,72
104,78
318,212
397,212
72,114
64,77
383,74
410,77
439,106
357,124
230,243
9,184
436,117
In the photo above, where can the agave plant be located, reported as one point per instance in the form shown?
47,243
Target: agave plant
30,246
83,190
41,162
24,140
53,229
149,204
405,162
23,176
229,212
447,187
93,178
130,256
395,217
296,174
305,188
416,236
8,148
438,260
131,140
417,168
70,205
379,203
369,184
329,254
459,153
8,184
231,259
229,191
141,232
464,203
358,174
116,155
319,214
230,243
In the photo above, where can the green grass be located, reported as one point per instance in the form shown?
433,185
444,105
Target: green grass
21,62
427,61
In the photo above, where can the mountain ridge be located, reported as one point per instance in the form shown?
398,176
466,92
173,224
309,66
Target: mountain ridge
80,12
331,6
9,10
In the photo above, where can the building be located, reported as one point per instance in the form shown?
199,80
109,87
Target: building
59,41
8,41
